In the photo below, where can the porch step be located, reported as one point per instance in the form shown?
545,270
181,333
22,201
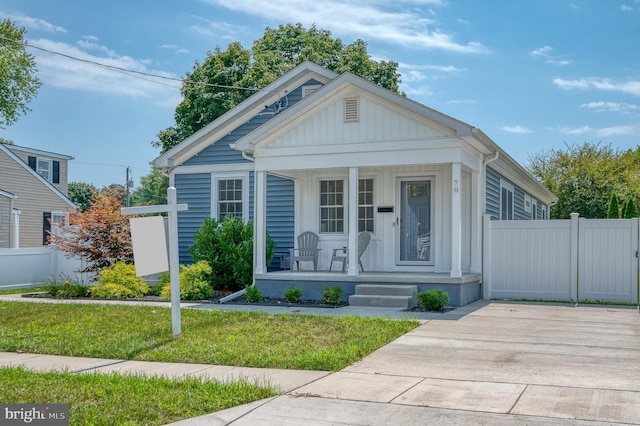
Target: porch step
397,296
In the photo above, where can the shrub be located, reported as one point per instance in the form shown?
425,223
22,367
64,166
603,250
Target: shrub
194,282
66,288
331,295
119,281
228,248
253,294
293,294
433,300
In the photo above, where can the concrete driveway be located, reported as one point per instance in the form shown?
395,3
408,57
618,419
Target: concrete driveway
487,363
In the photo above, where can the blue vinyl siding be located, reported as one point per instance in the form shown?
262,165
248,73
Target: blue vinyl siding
280,215
492,191
195,190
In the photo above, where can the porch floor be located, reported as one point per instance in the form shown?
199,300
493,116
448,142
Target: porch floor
371,277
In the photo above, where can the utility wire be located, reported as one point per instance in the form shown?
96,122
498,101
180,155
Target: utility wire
129,71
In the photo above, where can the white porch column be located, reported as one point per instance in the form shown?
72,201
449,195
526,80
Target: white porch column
476,224
16,229
260,223
456,220
353,221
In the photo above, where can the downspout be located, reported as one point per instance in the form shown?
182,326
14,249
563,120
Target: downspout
245,155
484,210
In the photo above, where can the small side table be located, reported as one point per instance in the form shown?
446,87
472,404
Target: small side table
340,255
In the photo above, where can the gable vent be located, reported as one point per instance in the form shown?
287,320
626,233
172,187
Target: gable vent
351,110
308,90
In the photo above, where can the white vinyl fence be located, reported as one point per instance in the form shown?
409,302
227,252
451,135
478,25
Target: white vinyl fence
576,259
33,266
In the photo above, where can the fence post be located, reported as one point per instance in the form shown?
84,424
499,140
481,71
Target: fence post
487,258
575,237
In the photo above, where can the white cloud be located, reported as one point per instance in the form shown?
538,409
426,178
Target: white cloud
85,73
402,23
575,130
462,102
610,106
615,131
516,129
32,23
626,8
174,47
630,87
545,52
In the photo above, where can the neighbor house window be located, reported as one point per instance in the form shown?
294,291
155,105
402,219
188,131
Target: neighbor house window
48,169
365,205
230,199
506,201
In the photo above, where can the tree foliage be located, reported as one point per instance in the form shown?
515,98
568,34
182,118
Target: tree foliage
613,211
82,194
18,82
101,235
216,85
152,189
583,177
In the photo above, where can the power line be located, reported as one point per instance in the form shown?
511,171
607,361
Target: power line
129,71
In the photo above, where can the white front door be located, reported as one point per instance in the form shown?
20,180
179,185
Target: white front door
414,236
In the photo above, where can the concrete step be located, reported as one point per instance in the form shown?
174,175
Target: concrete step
386,290
383,301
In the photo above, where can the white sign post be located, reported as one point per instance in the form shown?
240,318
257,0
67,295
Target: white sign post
172,208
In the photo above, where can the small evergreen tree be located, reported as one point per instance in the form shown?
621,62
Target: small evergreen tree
631,209
614,210
623,209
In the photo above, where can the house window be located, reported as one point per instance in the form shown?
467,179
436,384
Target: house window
44,168
506,201
51,222
527,203
544,212
48,169
331,206
365,205
230,199
534,210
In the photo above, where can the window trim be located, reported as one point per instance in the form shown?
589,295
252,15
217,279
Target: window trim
216,178
510,188
372,205
345,213
49,168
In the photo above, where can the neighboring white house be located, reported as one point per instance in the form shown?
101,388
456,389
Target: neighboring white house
337,155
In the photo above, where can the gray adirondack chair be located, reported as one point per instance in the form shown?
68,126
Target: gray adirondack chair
307,250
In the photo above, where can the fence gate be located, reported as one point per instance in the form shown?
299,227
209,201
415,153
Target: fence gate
607,260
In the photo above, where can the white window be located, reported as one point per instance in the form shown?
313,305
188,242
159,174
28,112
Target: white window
365,205
332,206
44,168
230,196
527,203
506,201
534,210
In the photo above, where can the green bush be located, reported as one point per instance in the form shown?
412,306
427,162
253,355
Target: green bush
119,281
331,295
194,282
228,248
65,288
293,294
253,294
433,300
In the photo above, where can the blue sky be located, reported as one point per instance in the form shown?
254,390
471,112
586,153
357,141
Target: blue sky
533,75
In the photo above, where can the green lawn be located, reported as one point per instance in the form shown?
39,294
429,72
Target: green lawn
209,336
96,399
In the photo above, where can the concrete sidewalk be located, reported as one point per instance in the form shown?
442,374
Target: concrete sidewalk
486,363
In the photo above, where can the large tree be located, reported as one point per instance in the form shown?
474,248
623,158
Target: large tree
226,78
152,189
18,82
583,177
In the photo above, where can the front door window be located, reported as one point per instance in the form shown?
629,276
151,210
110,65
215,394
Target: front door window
415,237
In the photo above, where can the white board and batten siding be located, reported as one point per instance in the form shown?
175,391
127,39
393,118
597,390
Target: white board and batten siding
579,259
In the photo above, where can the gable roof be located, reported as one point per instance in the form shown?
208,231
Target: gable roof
242,113
39,152
37,176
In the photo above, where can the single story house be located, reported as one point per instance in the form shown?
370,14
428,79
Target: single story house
337,155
